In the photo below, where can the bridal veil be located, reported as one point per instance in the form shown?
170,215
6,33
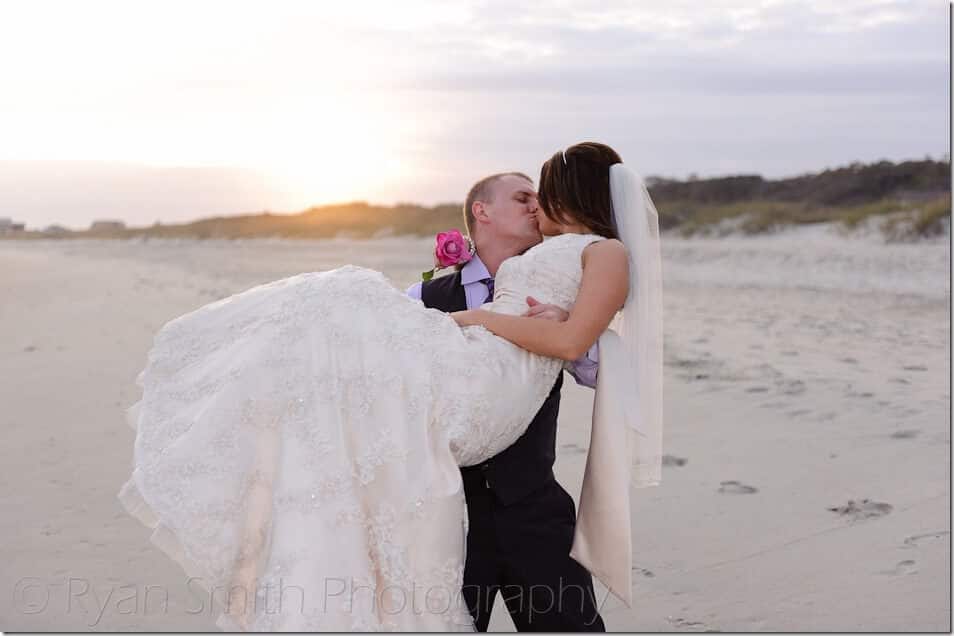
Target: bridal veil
626,439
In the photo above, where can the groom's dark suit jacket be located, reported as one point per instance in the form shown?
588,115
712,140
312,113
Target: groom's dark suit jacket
526,465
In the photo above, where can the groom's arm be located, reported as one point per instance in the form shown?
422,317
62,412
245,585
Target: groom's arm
584,370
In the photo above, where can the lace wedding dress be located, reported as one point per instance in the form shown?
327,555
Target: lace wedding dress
298,444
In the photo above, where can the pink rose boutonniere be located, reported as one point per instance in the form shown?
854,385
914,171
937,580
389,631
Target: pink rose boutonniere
452,248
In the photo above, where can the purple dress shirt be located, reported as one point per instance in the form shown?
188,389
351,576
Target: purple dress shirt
472,275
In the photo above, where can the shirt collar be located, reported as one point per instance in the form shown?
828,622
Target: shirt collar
474,270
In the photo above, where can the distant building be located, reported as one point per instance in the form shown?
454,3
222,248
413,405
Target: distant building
7,226
55,230
106,226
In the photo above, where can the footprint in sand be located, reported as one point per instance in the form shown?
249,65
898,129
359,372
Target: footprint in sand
757,389
29,348
915,367
862,510
900,380
902,568
798,412
736,488
793,387
643,572
905,434
682,623
672,460
917,540
848,360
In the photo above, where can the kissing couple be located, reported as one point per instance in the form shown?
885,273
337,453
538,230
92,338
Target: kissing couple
327,452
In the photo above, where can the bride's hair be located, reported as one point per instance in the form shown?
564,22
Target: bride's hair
574,187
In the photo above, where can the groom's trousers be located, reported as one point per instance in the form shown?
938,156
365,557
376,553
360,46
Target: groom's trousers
522,552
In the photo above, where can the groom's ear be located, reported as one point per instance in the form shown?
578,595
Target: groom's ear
480,212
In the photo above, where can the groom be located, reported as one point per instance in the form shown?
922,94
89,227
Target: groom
521,520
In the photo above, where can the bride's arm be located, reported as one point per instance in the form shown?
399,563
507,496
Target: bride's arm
602,293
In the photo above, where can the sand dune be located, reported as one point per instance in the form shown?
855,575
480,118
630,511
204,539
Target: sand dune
808,430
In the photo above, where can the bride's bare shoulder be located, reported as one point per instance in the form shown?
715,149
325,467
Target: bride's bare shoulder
607,251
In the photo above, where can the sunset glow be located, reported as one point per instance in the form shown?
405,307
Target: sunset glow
315,102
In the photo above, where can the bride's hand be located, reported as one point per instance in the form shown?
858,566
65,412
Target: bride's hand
468,318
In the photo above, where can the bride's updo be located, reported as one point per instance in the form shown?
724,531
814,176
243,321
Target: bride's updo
574,187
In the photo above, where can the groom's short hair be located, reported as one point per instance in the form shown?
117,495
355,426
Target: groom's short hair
483,190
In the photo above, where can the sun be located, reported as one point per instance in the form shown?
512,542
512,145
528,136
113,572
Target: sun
331,150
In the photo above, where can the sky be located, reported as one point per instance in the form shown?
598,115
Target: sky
168,111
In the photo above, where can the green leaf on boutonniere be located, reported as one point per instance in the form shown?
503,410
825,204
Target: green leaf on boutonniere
428,275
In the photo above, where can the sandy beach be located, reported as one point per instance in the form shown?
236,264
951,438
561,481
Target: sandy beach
807,430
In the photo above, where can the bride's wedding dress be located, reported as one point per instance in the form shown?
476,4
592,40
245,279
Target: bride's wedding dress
298,444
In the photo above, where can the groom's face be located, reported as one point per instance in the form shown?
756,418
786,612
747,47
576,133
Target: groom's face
513,211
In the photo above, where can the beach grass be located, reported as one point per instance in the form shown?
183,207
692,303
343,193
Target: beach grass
917,218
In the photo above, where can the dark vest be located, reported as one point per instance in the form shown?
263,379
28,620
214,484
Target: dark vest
528,463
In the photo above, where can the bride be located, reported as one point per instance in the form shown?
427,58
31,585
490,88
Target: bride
298,444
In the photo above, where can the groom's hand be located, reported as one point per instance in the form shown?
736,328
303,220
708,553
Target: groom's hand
548,312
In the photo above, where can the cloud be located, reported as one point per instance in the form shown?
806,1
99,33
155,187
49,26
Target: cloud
450,91
700,77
